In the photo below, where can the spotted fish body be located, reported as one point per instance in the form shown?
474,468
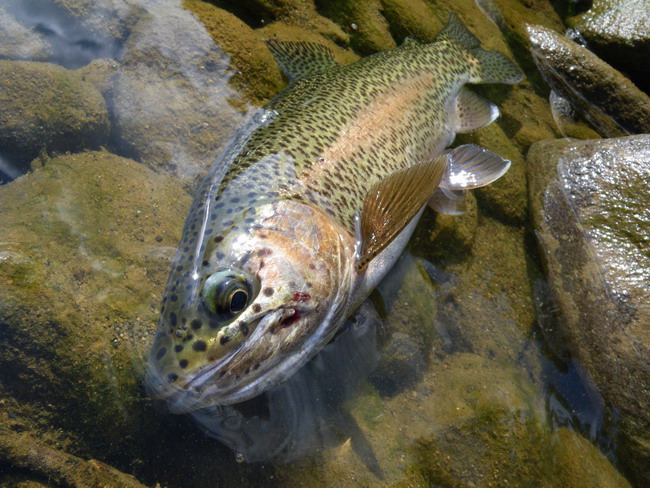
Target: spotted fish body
309,207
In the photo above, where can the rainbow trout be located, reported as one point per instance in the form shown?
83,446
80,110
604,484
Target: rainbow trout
310,206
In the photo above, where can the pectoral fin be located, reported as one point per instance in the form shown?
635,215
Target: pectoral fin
471,166
300,59
392,203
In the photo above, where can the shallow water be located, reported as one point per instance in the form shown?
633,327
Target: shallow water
452,374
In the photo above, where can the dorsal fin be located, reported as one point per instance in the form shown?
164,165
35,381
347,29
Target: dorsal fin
392,203
455,31
410,42
300,59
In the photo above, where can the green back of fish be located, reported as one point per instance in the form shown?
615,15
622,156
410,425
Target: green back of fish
340,129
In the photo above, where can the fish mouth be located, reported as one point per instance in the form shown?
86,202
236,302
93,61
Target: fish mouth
193,394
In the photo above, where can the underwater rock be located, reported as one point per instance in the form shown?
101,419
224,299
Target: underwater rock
19,42
590,206
506,198
619,32
76,32
362,21
172,106
602,95
86,243
44,107
510,450
452,236
411,18
255,70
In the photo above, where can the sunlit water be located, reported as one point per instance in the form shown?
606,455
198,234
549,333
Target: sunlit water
357,384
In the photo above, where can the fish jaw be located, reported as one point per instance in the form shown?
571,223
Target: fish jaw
302,262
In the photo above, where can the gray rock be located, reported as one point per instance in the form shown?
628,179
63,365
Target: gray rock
46,107
619,31
74,32
18,41
591,210
607,99
173,109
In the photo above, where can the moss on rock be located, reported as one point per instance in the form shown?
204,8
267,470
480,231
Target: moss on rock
46,107
82,262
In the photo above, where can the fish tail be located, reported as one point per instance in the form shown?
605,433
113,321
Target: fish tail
488,66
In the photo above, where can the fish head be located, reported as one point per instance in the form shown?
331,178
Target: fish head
264,295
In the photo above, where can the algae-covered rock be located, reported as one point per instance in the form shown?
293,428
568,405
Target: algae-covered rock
602,95
508,450
85,247
255,70
619,31
362,21
590,206
44,107
506,198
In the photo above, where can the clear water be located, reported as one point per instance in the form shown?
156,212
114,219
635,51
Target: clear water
448,375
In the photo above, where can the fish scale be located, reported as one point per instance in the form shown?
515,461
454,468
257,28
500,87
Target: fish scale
278,210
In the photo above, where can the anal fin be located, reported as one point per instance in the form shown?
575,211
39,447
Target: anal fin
473,111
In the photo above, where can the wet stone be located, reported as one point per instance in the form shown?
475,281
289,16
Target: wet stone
590,206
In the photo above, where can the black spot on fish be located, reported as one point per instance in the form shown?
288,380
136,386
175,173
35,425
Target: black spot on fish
161,353
199,346
218,239
257,307
172,377
178,348
224,340
183,363
174,298
196,324
244,329
268,291
173,319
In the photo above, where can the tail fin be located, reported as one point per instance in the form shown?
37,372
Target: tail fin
493,66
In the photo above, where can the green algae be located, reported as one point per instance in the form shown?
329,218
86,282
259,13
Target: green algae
87,220
46,107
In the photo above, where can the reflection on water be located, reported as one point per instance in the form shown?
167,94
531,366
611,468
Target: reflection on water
72,44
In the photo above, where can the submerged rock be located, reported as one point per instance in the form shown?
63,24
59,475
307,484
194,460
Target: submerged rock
172,106
44,107
86,242
602,95
619,31
590,206
19,42
255,70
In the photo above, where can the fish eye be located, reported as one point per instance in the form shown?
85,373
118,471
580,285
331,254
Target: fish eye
226,293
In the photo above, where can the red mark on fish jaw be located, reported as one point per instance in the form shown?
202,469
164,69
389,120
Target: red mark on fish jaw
291,316
302,297
291,319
